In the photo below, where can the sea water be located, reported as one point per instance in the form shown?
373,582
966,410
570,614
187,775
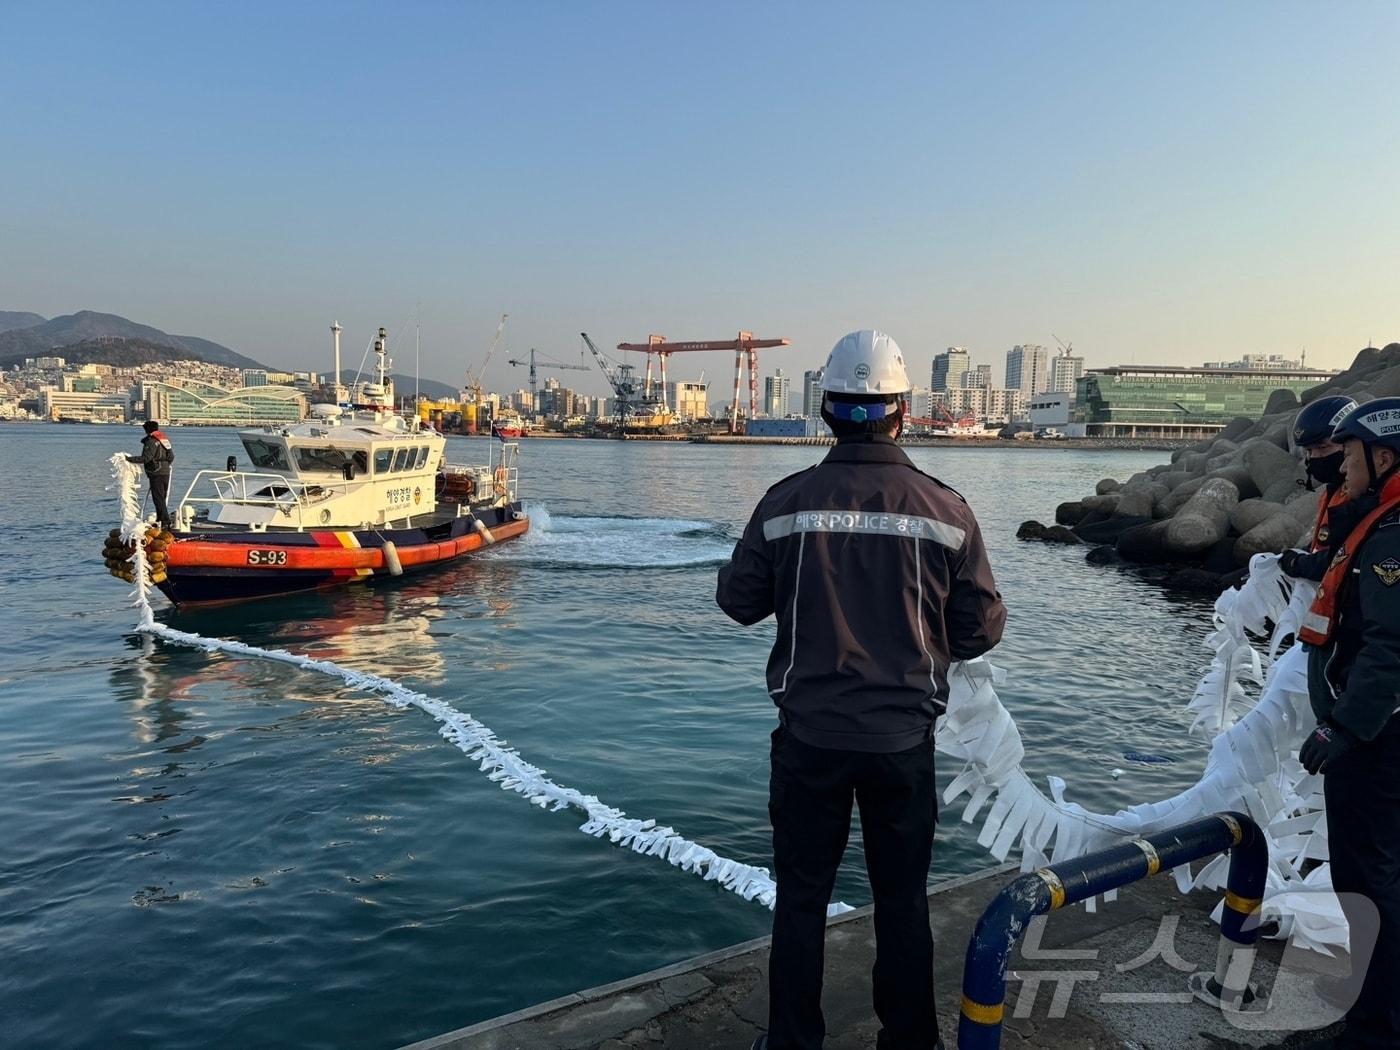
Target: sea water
200,849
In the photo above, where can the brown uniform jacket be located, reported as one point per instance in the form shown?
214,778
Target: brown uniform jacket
879,579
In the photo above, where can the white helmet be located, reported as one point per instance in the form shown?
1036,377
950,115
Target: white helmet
866,362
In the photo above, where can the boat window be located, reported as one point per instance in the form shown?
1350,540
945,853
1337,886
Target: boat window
401,460
382,458
267,455
422,457
331,460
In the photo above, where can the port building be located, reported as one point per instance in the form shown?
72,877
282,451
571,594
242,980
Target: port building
193,402
1165,401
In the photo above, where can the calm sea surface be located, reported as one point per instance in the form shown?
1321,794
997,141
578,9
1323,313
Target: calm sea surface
197,849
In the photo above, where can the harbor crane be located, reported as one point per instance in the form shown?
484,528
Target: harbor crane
472,391
551,364
745,347
626,395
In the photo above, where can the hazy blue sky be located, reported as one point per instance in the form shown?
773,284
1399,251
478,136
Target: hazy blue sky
1168,183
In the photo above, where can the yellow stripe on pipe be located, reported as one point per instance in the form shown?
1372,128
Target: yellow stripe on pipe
1236,832
981,1013
1055,886
1243,905
1154,862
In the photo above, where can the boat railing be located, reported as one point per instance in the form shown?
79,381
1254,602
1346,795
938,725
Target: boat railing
290,496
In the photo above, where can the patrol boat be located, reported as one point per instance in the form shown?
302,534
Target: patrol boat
352,493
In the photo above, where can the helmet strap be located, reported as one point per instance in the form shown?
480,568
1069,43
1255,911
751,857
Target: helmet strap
861,413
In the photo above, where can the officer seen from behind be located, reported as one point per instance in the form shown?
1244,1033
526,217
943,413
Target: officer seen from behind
878,577
157,455
1353,636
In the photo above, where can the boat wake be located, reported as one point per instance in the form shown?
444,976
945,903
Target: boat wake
568,542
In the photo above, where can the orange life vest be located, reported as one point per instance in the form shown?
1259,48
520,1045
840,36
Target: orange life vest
1322,529
1321,619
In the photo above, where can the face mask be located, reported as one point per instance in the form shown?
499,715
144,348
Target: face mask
1326,470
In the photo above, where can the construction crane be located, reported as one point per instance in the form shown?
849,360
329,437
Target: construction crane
626,396
745,347
551,364
472,391
1066,349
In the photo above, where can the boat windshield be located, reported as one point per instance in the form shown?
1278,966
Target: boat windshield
266,455
332,460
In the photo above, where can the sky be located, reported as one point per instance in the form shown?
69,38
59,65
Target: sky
1153,184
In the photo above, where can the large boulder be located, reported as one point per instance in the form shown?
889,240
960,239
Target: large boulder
1107,485
1060,534
1172,478
1107,531
1106,504
1178,496
1144,543
1267,464
1236,428
1237,474
1138,498
1203,520
1284,490
1281,401
1030,530
1070,513
1386,382
1285,529
1192,462
1251,512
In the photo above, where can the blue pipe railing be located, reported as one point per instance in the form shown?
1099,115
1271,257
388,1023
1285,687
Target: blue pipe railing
1001,925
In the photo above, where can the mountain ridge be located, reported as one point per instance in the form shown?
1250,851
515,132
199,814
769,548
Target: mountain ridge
85,326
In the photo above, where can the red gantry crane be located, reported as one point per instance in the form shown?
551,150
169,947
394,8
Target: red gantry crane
745,346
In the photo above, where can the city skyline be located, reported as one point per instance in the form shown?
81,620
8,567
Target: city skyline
1159,186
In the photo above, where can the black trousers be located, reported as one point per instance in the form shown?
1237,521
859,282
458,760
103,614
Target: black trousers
1363,837
160,491
810,795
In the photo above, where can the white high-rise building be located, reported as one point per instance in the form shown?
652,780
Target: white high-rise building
1065,370
1028,369
812,393
775,395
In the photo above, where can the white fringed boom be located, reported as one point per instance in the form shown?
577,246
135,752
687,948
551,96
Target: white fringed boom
501,764
1252,764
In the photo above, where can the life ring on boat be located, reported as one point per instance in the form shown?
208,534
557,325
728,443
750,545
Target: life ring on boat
502,476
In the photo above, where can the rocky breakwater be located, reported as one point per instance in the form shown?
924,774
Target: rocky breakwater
1216,504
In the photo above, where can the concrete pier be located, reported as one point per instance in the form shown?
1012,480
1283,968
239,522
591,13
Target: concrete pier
1090,981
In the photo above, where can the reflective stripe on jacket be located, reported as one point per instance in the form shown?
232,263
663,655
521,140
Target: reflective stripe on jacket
879,579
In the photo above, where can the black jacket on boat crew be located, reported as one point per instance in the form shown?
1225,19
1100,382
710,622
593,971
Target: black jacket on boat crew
879,578
156,455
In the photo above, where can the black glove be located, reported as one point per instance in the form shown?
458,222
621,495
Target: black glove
1325,745
1288,561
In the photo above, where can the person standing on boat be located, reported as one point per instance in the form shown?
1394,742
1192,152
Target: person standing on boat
1352,634
157,455
1322,458
878,576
